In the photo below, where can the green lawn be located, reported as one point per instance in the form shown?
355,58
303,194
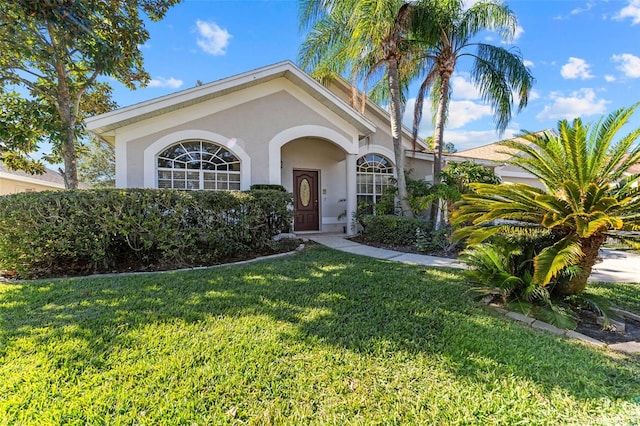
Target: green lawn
321,337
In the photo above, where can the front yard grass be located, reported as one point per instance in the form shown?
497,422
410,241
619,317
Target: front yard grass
321,337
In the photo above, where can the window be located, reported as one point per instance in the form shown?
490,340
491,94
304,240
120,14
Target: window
374,174
198,165
24,189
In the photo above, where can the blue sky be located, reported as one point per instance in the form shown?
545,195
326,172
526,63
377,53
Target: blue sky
585,56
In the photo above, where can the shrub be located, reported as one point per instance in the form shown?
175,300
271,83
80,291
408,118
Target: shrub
387,229
270,186
437,241
78,232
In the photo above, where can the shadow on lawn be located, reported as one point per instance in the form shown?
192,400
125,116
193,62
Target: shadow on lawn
365,305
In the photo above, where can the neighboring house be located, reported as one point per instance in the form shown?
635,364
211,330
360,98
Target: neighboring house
494,157
12,181
273,125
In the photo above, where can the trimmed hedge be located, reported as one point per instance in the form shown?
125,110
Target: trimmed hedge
273,186
79,232
389,229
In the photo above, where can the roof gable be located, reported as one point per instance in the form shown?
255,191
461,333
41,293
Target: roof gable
105,123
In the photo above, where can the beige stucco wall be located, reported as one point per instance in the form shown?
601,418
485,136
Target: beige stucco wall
420,168
249,119
10,186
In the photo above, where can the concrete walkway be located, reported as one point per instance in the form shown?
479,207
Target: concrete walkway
617,266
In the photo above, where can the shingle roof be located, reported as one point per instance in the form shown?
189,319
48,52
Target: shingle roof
49,178
492,152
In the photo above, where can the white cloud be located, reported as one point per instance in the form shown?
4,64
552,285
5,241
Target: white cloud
528,63
462,88
533,95
464,112
609,78
579,10
466,139
213,39
171,82
631,10
516,35
629,64
576,68
583,102
460,114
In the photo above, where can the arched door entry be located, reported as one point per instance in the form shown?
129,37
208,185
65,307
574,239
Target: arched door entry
306,208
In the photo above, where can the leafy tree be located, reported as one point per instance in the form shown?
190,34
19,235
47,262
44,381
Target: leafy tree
448,31
97,164
449,148
460,175
590,194
56,50
21,127
362,38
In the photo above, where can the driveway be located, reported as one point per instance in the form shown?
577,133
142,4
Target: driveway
617,266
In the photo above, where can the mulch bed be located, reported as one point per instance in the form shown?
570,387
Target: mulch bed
588,325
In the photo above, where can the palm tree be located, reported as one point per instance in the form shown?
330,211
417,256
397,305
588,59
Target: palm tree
361,38
590,194
496,71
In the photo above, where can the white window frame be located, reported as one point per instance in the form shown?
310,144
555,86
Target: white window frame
203,157
376,177
150,153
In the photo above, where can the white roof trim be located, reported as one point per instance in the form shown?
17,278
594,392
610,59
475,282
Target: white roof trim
30,180
104,123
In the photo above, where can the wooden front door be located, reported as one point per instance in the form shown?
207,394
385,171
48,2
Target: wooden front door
306,214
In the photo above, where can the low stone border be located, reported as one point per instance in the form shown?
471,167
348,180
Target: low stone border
627,347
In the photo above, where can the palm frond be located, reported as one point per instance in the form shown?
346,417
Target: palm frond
498,72
555,258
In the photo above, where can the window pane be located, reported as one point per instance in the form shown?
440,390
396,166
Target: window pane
196,161
164,184
373,176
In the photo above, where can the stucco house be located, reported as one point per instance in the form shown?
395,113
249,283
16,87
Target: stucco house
13,181
273,125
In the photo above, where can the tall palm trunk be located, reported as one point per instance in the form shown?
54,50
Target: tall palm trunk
395,111
438,141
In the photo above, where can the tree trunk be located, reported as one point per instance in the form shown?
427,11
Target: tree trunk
70,158
68,151
590,248
395,112
438,142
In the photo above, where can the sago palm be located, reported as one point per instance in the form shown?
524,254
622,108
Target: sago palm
589,195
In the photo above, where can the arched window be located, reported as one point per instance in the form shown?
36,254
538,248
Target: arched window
374,174
198,164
